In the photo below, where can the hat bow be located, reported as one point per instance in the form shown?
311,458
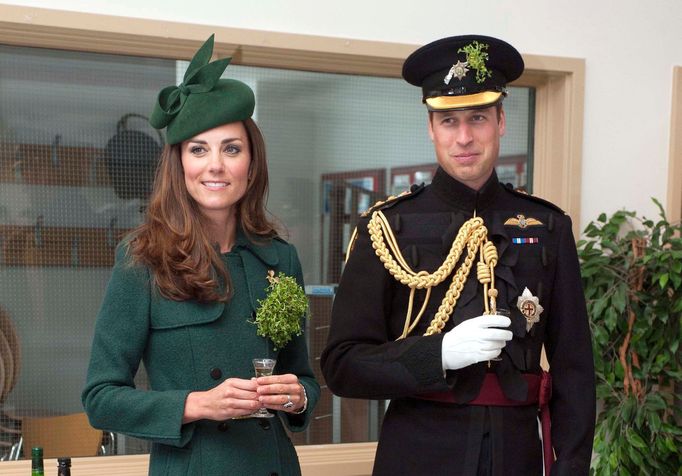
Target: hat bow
200,77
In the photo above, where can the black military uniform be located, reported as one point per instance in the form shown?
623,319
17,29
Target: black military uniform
537,264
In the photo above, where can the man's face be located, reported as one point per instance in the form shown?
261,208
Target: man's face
467,143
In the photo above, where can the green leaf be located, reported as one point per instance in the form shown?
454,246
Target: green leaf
677,267
654,422
623,471
663,280
613,460
635,439
675,430
610,318
677,306
619,298
656,402
636,457
599,305
662,360
670,444
628,410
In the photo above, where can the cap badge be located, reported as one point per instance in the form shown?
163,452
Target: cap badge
530,307
476,58
458,70
522,222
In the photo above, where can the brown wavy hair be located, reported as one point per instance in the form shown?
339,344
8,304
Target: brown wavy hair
173,241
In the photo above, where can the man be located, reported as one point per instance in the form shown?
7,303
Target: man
418,317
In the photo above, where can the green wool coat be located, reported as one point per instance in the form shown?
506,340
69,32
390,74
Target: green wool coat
189,346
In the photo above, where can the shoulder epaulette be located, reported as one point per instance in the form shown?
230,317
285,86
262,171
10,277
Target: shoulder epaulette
522,193
393,199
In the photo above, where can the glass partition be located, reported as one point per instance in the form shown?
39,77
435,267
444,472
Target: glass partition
68,193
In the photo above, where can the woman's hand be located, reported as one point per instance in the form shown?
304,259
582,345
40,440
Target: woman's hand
276,391
234,397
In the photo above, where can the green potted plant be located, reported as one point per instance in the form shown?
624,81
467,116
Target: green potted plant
632,276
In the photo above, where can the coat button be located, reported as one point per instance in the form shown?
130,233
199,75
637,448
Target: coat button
216,373
264,424
222,426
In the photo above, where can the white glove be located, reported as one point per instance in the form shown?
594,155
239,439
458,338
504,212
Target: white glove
475,340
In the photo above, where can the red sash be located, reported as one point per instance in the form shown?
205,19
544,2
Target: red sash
491,394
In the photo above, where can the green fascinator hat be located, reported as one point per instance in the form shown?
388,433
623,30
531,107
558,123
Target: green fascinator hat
202,101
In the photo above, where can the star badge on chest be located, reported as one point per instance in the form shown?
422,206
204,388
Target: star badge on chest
530,307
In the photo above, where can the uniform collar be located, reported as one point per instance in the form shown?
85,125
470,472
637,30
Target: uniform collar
458,195
262,249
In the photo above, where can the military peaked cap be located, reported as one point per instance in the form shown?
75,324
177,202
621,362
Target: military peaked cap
463,72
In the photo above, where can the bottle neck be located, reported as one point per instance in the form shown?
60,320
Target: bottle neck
64,467
37,462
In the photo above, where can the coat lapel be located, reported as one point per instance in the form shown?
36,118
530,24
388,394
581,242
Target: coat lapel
258,259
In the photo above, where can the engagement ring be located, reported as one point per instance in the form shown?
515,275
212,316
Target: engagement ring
289,403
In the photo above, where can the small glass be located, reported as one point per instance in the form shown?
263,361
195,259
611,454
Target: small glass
263,368
500,311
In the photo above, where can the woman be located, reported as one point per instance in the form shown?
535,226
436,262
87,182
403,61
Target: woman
183,293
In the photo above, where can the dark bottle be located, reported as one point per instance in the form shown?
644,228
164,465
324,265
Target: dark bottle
64,467
37,462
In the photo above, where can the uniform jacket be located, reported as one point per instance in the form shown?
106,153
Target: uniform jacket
189,346
363,359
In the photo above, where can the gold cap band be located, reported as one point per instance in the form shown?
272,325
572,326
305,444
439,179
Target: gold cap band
446,103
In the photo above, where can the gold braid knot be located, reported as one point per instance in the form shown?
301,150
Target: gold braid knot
472,235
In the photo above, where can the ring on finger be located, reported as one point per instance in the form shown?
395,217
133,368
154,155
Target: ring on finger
288,403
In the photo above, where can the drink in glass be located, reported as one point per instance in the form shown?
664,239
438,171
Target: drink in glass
263,368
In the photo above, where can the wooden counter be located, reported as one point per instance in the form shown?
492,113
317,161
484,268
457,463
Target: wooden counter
349,459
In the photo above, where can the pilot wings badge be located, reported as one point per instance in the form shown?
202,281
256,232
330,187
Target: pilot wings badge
530,307
522,222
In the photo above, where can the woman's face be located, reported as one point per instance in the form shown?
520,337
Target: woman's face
216,166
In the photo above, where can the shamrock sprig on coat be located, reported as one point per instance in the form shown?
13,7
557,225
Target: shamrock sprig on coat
280,314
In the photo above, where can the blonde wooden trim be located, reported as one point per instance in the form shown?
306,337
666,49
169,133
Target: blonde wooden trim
674,199
351,459
559,103
133,465
46,28
347,459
